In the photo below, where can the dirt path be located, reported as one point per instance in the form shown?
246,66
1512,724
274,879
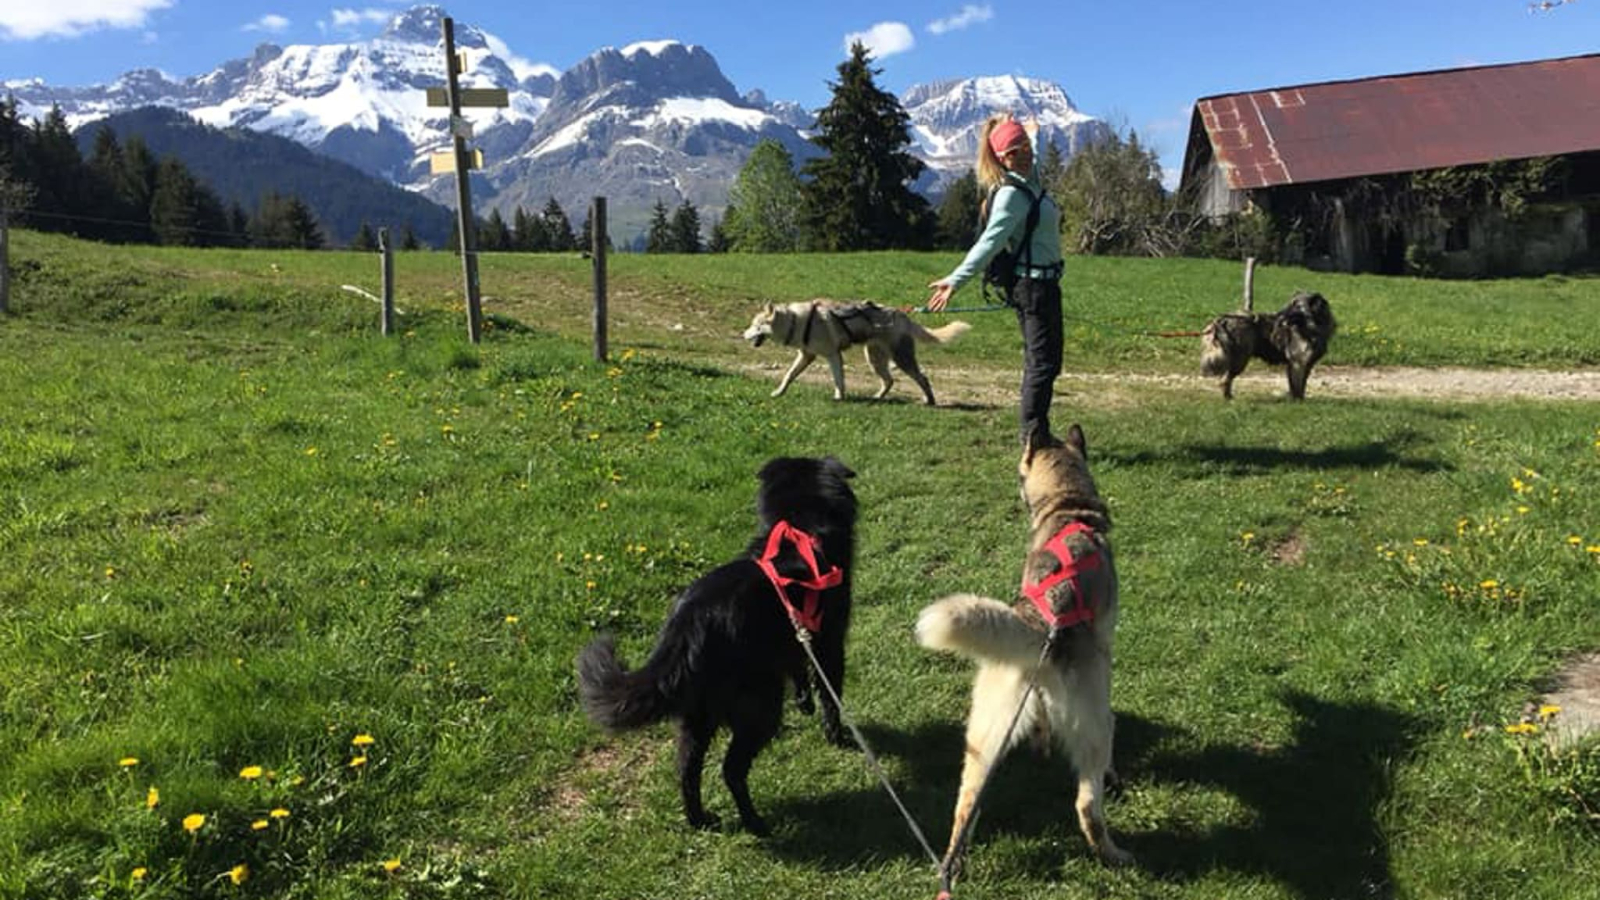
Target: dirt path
994,386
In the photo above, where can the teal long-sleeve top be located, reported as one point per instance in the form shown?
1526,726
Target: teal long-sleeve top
1008,216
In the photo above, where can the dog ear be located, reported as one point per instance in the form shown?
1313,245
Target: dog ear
837,467
1034,439
768,309
1076,441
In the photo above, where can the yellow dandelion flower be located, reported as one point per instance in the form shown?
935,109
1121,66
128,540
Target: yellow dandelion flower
152,798
279,813
1574,540
193,821
239,873
1247,537
1522,728
512,620
311,451
1592,548
363,740
138,873
1488,584
250,773
128,762
447,428
389,865
111,572
1518,485
1548,711
1522,510
589,584
259,825
1420,542
603,505
358,762
594,435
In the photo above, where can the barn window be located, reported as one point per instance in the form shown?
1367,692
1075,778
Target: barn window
1457,238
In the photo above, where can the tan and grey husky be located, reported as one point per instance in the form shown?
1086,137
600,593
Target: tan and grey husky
827,328
1070,585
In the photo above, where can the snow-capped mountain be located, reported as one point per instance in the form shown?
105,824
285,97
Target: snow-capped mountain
362,103
948,116
653,121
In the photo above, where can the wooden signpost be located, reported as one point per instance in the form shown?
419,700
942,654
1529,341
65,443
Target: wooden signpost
461,162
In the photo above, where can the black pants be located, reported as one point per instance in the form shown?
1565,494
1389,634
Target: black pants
1038,305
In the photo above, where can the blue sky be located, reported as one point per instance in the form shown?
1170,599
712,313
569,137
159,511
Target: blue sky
1139,65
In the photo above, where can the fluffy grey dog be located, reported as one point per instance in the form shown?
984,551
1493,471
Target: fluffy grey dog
1295,336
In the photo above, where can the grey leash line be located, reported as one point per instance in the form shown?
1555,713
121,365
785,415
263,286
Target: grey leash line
958,846
804,637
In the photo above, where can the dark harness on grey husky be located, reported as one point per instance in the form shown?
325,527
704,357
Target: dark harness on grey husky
856,321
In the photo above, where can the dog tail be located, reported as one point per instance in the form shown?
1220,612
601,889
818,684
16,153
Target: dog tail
979,628
616,698
1213,355
944,334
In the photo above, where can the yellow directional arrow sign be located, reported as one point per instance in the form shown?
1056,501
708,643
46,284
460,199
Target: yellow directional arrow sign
444,163
471,97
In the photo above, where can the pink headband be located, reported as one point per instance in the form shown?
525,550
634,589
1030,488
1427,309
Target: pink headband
1005,135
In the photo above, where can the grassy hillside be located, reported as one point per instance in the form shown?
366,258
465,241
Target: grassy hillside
261,565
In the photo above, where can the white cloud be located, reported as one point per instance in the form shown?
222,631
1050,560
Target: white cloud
27,21
270,23
520,67
969,15
883,39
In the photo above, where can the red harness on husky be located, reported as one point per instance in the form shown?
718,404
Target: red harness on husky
809,614
1070,569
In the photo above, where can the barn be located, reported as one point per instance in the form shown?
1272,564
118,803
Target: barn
1470,172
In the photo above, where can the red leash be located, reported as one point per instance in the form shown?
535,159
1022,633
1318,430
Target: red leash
809,614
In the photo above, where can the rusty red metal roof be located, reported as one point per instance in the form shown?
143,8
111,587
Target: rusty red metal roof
1402,123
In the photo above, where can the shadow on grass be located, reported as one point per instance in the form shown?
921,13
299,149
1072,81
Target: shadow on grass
1311,803
1398,453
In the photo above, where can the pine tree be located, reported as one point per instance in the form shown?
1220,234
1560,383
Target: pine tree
1052,167
303,226
522,231
174,215
494,235
959,213
105,165
718,242
137,185
557,227
766,203
659,236
686,229
859,195
365,239
408,239
60,179
238,225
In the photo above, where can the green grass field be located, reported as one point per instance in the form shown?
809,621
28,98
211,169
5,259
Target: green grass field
326,587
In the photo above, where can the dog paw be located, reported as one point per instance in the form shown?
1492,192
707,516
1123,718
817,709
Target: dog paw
804,703
756,826
1115,857
705,822
841,739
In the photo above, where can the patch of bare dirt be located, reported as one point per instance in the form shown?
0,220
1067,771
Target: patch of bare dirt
615,766
1577,693
1291,551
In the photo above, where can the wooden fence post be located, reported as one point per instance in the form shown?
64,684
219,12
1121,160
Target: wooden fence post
597,252
468,224
387,276
1249,283
5,262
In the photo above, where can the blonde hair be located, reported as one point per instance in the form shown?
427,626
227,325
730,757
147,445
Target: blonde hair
988,168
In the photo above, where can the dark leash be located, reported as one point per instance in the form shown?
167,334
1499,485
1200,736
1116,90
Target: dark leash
958,847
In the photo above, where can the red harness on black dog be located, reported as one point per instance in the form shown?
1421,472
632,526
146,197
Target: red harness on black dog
809,614
1070,569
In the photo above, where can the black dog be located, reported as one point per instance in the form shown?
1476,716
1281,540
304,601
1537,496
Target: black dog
728,648
1295,336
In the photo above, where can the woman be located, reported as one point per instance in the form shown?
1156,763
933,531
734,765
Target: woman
1007,174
